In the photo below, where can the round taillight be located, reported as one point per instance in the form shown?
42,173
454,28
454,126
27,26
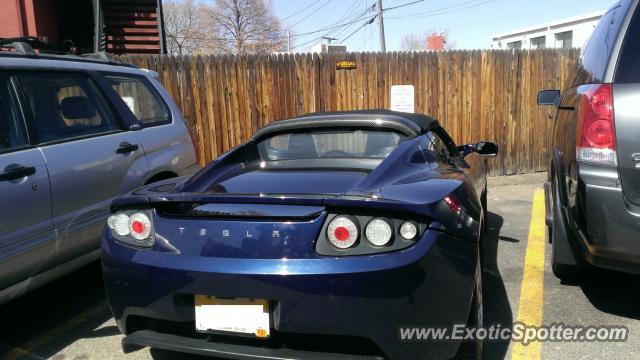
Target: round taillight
600,133
378,232
342,232
119,223
111,222
408,230
139,226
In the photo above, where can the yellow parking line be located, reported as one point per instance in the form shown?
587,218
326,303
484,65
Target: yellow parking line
30,346
530,308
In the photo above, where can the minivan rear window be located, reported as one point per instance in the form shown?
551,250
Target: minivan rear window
628,68
594,59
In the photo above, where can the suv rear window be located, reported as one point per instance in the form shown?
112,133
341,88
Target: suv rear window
142,100
628,68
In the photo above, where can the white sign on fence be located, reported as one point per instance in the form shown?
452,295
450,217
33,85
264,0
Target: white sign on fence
402,98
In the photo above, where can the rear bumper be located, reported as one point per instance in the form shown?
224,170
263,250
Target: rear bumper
313,302
609,236
203,347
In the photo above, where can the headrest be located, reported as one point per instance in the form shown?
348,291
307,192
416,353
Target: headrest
77,107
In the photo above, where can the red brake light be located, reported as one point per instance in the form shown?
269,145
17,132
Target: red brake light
137,227
452,203
595,134
595,118
341,233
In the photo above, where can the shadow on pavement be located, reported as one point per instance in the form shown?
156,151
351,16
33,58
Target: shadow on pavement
54,316
496,302
170,355
612,292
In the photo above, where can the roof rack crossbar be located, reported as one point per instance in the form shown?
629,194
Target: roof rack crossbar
21,48
98,55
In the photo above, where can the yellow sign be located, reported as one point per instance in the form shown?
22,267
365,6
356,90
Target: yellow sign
345,65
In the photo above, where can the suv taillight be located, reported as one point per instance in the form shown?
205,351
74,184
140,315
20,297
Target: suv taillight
595,135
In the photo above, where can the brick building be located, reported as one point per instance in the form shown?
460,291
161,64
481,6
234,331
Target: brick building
115,26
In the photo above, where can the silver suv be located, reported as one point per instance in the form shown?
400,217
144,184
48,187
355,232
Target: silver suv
74,134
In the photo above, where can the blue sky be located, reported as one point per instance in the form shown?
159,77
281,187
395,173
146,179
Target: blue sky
470,23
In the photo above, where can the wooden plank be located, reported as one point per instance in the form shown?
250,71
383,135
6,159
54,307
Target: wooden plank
477,95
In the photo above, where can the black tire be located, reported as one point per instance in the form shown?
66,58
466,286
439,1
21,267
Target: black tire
472,350
565,264
483,200
485,221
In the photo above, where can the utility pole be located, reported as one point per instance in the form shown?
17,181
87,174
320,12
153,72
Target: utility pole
383,46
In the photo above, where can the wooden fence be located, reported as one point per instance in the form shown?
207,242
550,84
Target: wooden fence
477,95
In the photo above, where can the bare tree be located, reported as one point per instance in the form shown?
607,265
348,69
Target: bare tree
413,41
249,26
418,41
189,28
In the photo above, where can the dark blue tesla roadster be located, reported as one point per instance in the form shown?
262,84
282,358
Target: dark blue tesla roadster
322,237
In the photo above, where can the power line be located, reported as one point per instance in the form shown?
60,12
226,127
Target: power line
442,11
328,28
358,18
313,12
403,5
344,26
369,37
348,27
358,29
301,10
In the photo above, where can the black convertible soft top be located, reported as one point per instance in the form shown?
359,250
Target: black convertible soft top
407,123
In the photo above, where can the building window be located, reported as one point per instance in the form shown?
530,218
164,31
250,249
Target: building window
514,45
539,42
564,40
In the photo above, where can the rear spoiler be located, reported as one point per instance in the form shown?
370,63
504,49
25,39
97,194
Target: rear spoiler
413,204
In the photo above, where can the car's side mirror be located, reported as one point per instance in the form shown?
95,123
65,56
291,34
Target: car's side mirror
483,148
549,97
487,149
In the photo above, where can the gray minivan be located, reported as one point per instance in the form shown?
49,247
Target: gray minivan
593,192
74,134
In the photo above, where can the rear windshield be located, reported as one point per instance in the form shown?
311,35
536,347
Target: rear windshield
330,144
628,68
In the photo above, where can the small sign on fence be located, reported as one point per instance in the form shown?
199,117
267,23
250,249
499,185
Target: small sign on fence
346,65
402,98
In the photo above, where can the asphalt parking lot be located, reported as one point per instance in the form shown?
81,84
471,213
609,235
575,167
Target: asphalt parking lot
69,318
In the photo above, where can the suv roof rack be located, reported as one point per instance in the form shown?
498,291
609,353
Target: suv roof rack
23,47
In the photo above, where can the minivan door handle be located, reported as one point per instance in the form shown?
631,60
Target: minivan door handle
126,148
17,173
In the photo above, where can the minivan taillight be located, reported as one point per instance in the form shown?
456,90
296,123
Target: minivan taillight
595,135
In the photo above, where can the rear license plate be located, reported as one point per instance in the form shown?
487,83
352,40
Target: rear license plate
242,316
